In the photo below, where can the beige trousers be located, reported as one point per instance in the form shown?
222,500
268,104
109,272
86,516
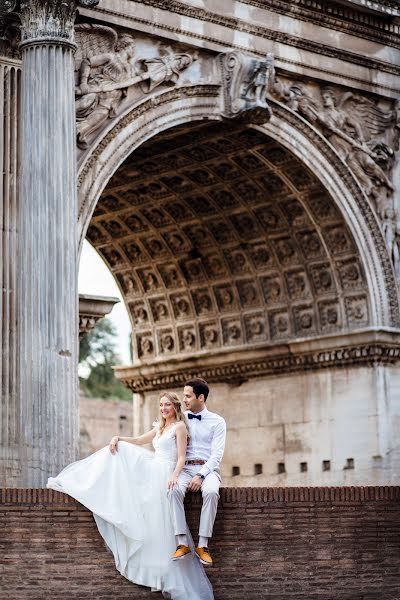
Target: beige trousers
210,492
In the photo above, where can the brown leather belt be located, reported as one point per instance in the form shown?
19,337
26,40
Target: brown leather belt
196,461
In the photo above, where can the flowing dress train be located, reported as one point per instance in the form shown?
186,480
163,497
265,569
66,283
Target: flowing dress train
127,493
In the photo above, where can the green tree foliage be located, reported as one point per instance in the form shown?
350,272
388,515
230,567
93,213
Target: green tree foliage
97,354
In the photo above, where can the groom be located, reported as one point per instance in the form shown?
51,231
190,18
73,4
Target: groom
206,444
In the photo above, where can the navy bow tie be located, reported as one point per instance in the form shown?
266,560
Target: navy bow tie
192,416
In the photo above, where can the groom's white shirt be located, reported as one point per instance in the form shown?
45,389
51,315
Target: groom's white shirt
207,440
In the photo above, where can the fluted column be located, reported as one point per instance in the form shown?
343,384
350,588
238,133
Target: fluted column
47,263
9,139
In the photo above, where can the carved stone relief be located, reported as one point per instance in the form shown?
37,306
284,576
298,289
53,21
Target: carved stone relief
329,315
255,327
364,132
232,331
279,324
107,67
187,339
140,314
209,335
166,341
145,345
356,308
304,321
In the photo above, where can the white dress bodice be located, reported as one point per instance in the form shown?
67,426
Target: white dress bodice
165,445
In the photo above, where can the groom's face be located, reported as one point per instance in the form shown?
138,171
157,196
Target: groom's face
192,402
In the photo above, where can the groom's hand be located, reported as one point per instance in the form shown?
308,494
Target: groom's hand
195,484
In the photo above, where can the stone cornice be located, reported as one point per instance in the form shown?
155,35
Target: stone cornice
340,16
364,347
92,309
174,6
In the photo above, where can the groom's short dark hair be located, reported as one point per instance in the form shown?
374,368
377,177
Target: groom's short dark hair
200,386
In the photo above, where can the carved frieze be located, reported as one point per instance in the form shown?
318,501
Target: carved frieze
107,67
365,133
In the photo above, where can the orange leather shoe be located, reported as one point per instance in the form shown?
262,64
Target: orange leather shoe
180,552
204,555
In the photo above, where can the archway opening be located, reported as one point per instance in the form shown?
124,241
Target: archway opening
220,238
229,251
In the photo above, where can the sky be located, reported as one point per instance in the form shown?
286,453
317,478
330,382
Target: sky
95,279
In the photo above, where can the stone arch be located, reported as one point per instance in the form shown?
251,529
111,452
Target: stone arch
372,303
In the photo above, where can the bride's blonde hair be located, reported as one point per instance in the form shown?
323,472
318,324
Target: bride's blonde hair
177,406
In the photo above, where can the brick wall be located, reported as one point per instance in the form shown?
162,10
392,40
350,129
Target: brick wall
270,543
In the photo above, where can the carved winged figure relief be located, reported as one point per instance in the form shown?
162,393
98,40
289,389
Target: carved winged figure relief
102,66
106,67
357,127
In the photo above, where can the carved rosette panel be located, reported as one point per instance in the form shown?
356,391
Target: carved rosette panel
209,261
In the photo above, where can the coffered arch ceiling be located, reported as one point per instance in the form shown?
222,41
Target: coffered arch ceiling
220,237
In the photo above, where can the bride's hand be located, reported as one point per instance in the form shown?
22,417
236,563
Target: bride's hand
172,481
114,444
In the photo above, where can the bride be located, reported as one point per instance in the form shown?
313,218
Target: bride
125,487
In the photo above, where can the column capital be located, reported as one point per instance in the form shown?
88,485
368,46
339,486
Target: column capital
45,21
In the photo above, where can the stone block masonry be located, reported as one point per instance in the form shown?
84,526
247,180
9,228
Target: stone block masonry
338,543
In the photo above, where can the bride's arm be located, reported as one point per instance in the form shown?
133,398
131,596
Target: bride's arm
181,443
146,438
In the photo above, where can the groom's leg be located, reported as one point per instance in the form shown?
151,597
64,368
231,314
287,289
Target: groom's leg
176,497
210,491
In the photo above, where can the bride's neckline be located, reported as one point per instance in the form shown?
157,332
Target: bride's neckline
167,428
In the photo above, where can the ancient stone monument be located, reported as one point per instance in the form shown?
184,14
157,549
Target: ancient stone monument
236,165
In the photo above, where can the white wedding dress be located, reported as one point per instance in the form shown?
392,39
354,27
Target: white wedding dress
127,493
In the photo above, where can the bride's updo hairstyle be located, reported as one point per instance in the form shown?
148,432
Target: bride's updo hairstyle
177,406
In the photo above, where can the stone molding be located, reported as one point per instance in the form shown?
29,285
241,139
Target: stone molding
258,30
92,309
340,16
367,347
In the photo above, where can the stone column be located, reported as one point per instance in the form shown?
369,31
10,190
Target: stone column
47,257
10,73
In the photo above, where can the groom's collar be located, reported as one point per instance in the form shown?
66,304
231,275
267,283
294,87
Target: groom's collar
202,413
